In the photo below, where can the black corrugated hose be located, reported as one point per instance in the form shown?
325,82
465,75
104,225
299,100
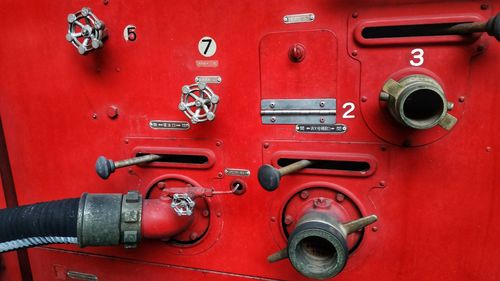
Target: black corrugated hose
39,224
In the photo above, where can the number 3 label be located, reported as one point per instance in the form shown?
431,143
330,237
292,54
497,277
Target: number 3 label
418,57
350,108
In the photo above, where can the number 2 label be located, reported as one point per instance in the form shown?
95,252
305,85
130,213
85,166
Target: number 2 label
418,57
350,108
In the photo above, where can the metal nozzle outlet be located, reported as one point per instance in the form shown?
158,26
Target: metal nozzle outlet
317,248
418,101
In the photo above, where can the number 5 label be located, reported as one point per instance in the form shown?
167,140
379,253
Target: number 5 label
418,57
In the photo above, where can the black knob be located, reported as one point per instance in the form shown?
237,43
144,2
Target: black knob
493,27
104,167
269,177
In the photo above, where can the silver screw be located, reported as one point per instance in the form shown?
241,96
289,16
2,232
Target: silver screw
271,105
273,119
322,104
285,19
311,17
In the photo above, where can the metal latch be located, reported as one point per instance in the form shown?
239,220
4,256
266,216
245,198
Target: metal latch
298,111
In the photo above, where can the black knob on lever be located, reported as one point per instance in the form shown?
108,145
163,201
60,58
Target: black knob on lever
269,177
105,167
493,26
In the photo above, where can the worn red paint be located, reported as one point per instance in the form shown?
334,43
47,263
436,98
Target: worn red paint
438,207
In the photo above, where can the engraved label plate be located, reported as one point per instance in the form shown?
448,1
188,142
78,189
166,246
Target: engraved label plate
168,125
299,18
313,128
237,172
207,63
208,79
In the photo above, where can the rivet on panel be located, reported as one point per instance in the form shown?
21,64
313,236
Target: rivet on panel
381,183
266,145
364,98
355,15
354,53
304,194
461,99
218,143
374,229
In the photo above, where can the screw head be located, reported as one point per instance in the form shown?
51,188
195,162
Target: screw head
288,220
322,120
273,119
461,99
219,175
354,53
322,104
355,15
364,98
218,143
266,145
381,183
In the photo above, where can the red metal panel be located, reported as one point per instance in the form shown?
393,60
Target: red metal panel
438,204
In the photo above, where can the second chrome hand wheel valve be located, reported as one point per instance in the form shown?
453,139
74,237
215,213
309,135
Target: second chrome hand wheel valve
198,102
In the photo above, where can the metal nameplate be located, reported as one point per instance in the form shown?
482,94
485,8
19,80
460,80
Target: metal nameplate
207,63
299,18
208,79
81,276
299,111
237,172
168,125
329,129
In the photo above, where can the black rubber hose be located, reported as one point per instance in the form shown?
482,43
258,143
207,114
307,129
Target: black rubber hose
39,224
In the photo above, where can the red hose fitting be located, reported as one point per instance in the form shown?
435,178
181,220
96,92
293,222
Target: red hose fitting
160,221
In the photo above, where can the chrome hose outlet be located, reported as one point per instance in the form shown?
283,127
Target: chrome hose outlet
317,247
85,31
419,102
198,102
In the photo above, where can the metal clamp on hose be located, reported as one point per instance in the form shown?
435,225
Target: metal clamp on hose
131,219
109,219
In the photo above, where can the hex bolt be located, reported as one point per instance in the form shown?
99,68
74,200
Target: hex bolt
269,177
304,195
105,167
112,112
339,197
161,185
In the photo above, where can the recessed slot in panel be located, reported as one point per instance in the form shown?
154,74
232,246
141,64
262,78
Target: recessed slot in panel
189,158
415,30
340,164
